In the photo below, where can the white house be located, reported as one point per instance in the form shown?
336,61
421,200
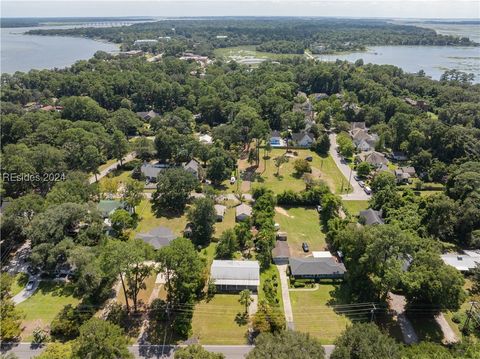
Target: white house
463,262
206,139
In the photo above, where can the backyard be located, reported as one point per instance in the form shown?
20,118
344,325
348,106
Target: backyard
323,168
42,307
354,207
214,321
301,225
312,314
148,220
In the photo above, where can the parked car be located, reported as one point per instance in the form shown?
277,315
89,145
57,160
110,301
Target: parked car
305,247
367,190
30,285
309,158
319,208
361,184
356,178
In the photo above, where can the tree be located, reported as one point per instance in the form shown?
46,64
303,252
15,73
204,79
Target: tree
101,339
183,269
363,169
441,217
56,350
174,186
429,281
127,261
121,221
217,170
245,299
203,217
279,161
286,344
126,121
10,317
91,160
243,234
301,166
330,206
133,193
322,144
346,146
120,146
196,351
227,245
144,148
83,108
361,341
426,350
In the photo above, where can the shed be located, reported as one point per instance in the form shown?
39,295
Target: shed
234,275
281,236
281,252
371,217
220,211
243,212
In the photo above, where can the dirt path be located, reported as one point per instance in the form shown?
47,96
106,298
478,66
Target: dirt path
283,211
397,304
449,335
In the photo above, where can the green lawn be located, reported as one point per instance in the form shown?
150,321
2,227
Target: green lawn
44,304
323,168
214,321
311,314
228,222
148,220
301,225
239,52
354,207
19,282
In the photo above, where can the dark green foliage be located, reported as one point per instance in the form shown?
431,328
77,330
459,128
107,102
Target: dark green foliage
174,186
203,217
66,324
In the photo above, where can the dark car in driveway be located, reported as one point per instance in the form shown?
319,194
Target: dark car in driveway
305,247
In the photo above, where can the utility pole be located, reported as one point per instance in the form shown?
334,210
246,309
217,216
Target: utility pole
349,179
469,315
372,312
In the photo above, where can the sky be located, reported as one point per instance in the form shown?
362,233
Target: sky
467,9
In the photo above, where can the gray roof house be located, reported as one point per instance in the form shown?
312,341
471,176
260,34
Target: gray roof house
404,174
147,116
371,217
220,211
193,167
151,171
316,268
234,275
281,252
243,212
158,237
107,207
303,139
359,125
376,159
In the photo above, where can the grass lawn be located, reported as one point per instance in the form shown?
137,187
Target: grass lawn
19,282
311,314
354,207
426,328
44,304
227,223
323,168
214,321
106,164
239,52
148,220
301,225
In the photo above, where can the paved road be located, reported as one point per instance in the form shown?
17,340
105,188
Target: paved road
26,351
358,193
287,305
129,157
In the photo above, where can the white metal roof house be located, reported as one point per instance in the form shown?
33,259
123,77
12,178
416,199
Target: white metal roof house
206,139
232,275
462,262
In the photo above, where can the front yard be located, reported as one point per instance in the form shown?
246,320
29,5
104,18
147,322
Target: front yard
301,225
354,207
311,313
42,307
214,321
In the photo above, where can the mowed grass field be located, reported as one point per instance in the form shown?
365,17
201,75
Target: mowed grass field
148,220
354,207
323,168
302,225
311,314
42,307
214,321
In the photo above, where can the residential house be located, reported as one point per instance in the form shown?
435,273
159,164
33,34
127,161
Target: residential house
220,211
399,156
107,207
404,174
193,167
276,139
420,104
158,237
464,262
351,107
151,171
376,159
281,252
147,116
205,138
371,217
358,125
363,140
319,96
235,275
303,139
145,42
316,268
243,212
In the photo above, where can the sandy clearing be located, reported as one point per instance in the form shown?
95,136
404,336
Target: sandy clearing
283,212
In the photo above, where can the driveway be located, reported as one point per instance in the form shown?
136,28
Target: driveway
358,193
25,294
397,304
287,305
129,157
